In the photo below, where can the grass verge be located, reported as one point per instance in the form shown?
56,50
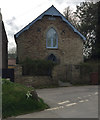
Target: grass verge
15,101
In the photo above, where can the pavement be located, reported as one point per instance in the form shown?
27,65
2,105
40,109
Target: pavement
68,102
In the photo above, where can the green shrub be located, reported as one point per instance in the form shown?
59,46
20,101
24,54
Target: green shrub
37,67
15,102
88,68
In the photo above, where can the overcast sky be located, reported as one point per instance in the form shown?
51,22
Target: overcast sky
18,13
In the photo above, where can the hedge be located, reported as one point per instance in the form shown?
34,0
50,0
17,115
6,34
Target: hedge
37,67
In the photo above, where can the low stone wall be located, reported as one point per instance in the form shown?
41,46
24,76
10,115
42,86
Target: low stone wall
75,74
34,81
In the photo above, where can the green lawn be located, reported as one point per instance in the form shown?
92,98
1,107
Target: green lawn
15,101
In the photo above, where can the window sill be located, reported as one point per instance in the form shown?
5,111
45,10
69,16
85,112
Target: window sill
52,48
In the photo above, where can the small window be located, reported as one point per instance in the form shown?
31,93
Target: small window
51,18
52,39
52,58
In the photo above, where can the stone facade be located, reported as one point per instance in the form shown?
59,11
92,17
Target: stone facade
32,43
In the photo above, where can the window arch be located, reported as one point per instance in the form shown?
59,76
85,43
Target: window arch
52,38
52,57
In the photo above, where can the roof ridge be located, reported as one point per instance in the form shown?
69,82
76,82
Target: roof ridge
18,33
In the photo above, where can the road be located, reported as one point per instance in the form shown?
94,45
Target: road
68,102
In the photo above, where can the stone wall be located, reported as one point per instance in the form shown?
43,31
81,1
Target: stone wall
59,73
74,74
34,81
32,42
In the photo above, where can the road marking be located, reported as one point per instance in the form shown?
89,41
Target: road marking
63,102
61,107
71,104
81,101
96,93
89,95
55,108
79,97
86,100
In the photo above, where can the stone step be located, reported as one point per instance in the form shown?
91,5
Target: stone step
64,84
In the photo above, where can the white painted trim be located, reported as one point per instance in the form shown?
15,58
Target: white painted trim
53,12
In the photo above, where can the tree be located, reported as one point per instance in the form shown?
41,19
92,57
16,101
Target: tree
67,13
87,16
12,53
85,19
70,16
96,46
12,50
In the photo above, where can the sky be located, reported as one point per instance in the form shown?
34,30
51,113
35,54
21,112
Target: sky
17,14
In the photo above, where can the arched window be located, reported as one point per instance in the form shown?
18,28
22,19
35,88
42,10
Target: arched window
52,39
52,58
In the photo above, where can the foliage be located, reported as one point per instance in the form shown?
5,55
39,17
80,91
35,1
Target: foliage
85,71
85,19
11,55
12,50
96,46
28,94
15,102
70,16
86,68
87,14
37,67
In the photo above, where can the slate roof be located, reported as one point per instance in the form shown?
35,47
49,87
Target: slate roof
53,12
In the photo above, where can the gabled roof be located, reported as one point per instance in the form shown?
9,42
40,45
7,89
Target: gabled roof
53,12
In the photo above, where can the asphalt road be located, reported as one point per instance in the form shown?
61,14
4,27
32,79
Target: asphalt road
68,102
